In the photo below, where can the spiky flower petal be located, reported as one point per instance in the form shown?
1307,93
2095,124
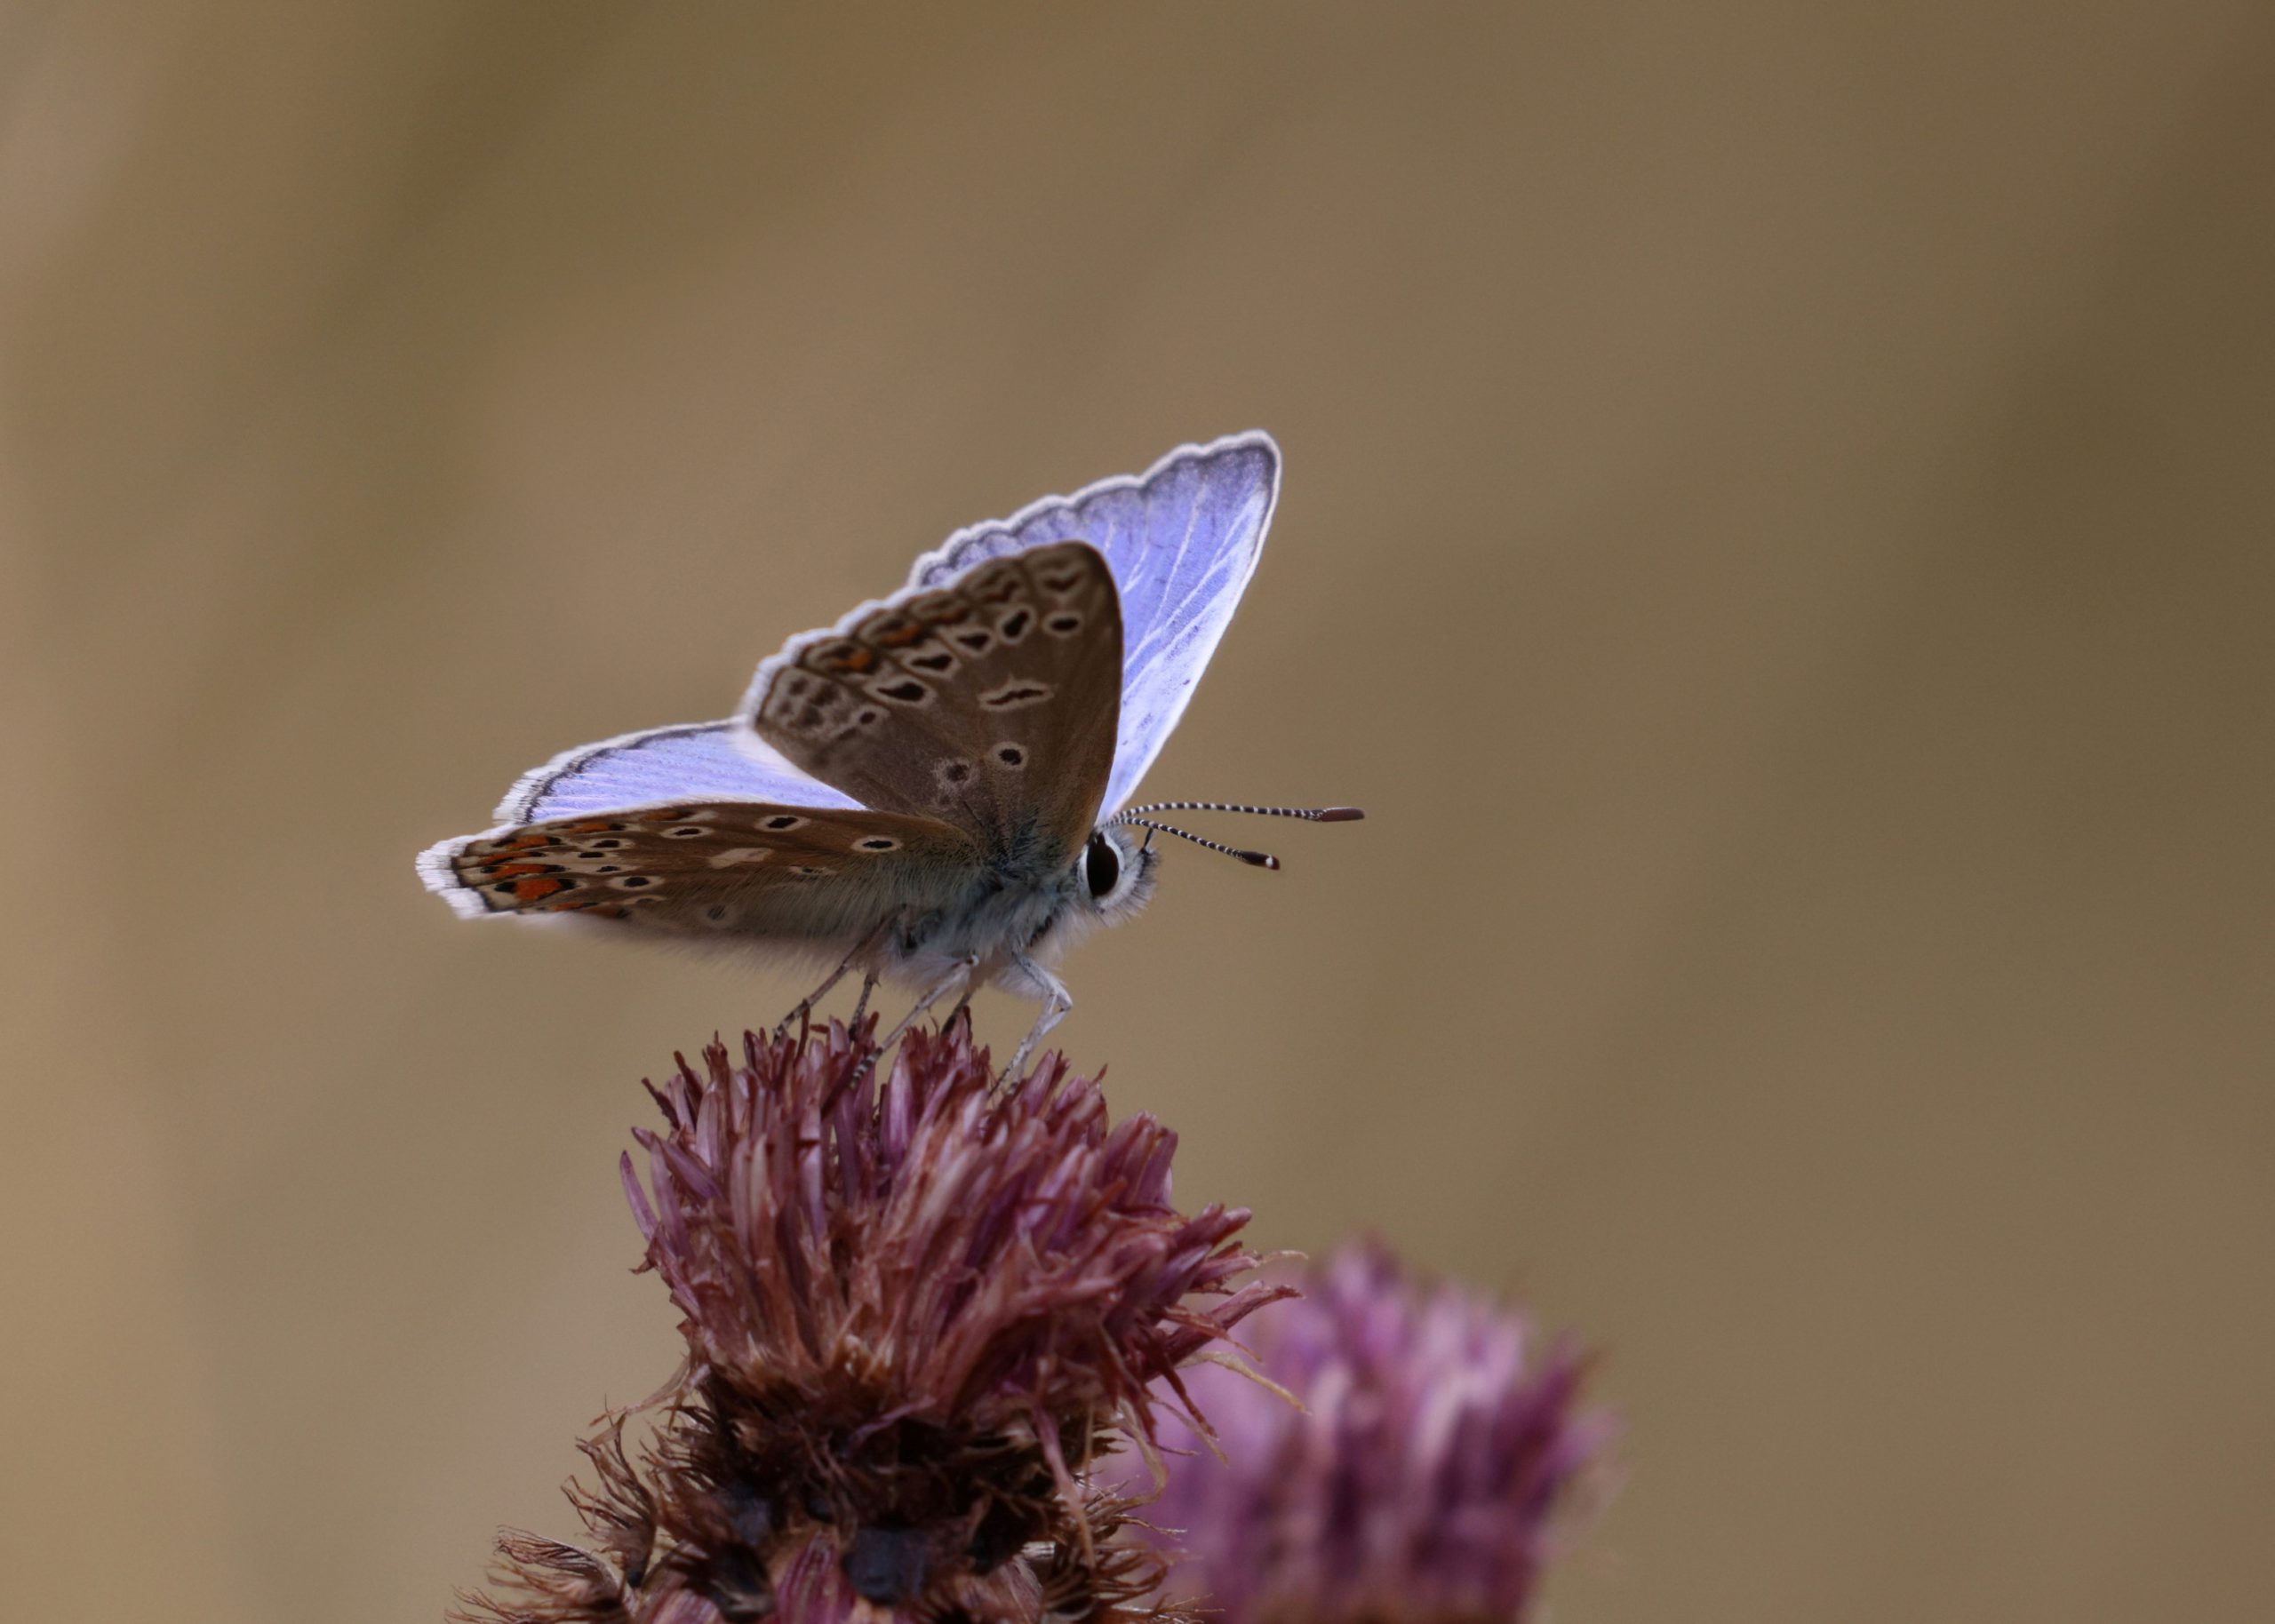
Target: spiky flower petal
1414,1486
915,1315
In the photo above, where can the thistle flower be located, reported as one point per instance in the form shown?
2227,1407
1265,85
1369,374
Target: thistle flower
1414,1486
915,1316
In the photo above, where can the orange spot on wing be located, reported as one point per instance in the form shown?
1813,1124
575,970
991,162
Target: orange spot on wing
535,890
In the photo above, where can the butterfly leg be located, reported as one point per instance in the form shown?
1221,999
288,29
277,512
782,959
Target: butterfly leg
965,971
804,1006
861,1004
1056,1002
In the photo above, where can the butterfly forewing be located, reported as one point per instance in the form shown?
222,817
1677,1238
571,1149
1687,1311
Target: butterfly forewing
739,868
1183,538
989,702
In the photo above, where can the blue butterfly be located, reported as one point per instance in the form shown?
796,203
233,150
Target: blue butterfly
933,790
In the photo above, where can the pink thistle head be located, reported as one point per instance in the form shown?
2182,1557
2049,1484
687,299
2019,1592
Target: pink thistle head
915,1314
1416,1485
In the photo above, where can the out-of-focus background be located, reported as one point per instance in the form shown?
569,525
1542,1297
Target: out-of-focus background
1776,533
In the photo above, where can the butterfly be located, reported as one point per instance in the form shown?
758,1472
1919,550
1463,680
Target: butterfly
935,790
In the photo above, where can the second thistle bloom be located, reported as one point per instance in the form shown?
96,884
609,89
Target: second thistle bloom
1417,1485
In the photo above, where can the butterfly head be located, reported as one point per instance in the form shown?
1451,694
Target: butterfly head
1115,875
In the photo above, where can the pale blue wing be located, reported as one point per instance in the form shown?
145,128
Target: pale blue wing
711,760
1182,538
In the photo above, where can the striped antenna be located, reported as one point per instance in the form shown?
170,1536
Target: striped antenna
1316,815
1260,859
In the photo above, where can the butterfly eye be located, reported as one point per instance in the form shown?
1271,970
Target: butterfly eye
1101,865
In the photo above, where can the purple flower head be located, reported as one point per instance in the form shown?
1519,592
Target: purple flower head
915,1315
1414,1486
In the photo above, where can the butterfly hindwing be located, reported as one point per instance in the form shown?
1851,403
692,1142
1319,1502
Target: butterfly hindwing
989,702
728,868
696,762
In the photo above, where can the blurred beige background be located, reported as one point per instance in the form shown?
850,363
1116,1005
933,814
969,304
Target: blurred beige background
1776,533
